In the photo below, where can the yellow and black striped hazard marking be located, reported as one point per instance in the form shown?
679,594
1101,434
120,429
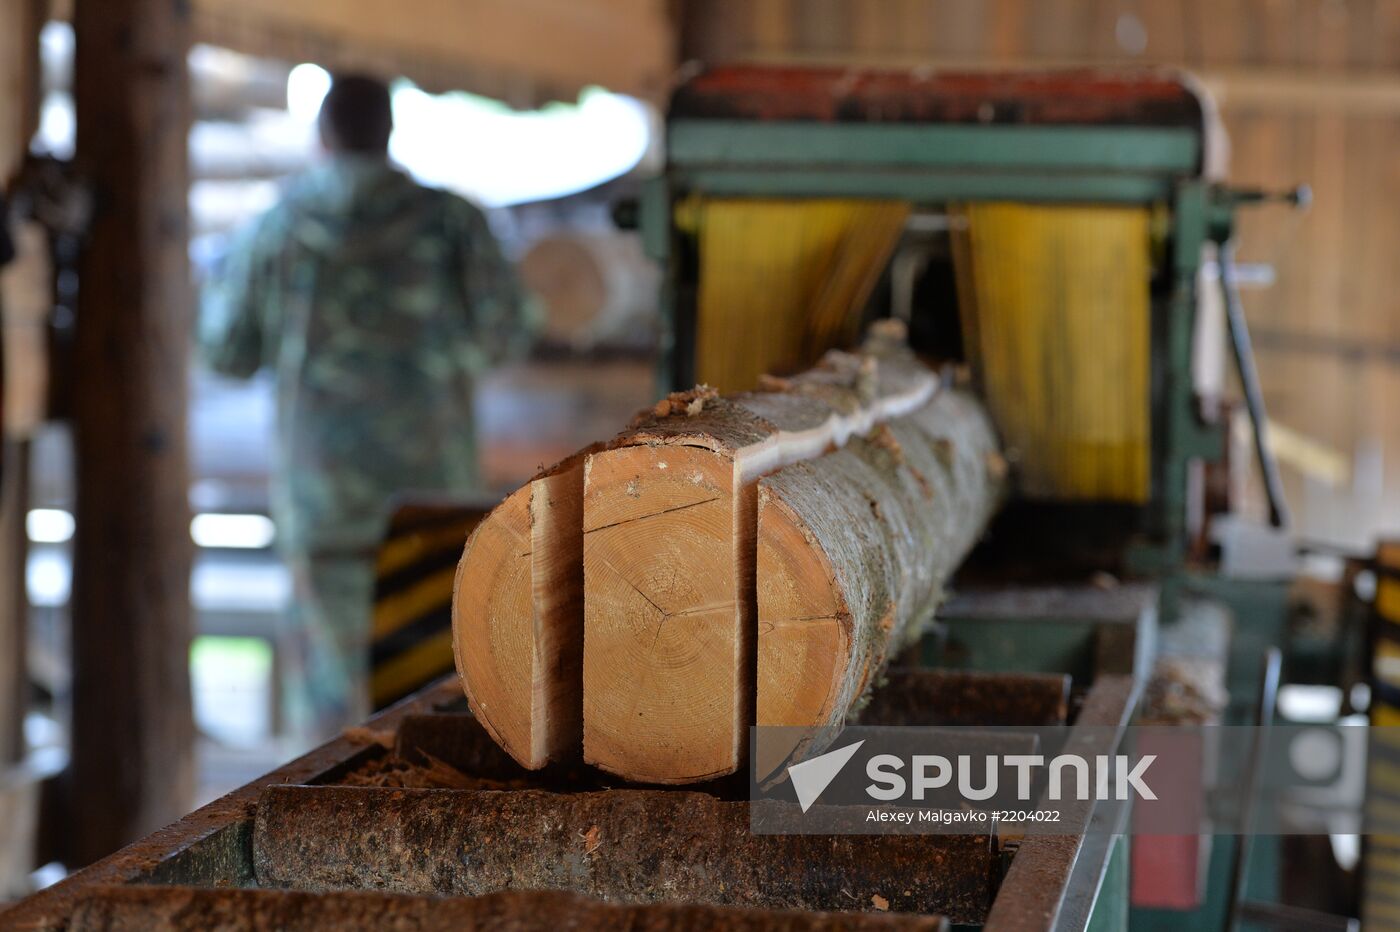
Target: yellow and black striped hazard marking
411,632
1381,885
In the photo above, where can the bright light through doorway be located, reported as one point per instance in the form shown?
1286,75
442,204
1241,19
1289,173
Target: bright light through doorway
497,156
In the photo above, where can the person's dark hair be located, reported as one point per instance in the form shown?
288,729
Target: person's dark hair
356,116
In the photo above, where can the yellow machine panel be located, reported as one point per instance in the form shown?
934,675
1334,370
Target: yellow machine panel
1381,905
781,282
1055,308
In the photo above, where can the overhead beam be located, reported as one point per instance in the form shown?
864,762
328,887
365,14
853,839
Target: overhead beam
1335,90
523,51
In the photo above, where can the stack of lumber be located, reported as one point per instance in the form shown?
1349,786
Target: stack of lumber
726,561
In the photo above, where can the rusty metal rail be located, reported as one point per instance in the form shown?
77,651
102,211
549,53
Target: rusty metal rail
165,909
1056,876
311,844
620,845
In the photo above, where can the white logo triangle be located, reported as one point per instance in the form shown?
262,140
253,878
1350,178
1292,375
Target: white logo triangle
810,777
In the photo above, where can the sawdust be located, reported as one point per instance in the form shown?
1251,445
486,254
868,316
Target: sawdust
923,482
689,403
889,332
395,772
868,379
997,466
1184,691
359,734
885,439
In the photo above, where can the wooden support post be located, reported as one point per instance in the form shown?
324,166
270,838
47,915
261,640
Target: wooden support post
20,21
132,768
19,113
14,600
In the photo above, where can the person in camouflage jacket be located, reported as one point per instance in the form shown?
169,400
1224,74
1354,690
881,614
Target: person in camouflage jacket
376,303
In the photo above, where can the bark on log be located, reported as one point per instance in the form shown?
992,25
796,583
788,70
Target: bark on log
627,846
174,909
854,549
670,526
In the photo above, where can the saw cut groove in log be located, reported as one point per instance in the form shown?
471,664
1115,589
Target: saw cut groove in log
853,551
670,518
517,618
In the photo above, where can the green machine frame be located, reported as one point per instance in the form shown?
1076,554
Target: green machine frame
933,164
936,139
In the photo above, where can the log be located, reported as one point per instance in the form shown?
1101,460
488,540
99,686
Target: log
692,624
670,522
854,548
625,846
173,909
596,286
517,618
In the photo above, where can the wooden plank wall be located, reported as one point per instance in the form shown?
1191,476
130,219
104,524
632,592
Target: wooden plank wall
526,52
1310,92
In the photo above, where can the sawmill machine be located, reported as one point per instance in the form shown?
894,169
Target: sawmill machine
1046,238
1051,231
1065,241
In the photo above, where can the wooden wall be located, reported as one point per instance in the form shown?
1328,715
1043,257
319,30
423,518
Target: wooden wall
1310,92
526,52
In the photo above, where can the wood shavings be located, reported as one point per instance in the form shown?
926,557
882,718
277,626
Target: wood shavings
394,772
1184,691
923,482
1103,581
359,734
868,378
996,465
885,439
688,403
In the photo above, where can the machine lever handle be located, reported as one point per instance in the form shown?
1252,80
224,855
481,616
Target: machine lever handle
1249,378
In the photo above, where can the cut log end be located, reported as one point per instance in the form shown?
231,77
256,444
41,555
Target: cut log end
666,645
804,631
517,619
804,623
556,534
491,626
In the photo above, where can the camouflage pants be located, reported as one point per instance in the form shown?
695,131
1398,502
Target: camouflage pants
325,647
